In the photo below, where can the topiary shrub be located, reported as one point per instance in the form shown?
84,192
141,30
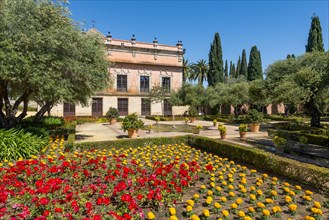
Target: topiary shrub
15,144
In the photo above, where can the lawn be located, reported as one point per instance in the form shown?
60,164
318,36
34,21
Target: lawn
151,182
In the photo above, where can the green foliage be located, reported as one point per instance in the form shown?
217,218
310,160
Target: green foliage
193,111
255,116
303,139
131,121
15,144
238,67
222,129
157,118
194,95
53,121
199,71
243,127
216,70
244,64
226,69
315,40
279,141
45,57
232,70
313,175
301,81
255,65
258,93
112,113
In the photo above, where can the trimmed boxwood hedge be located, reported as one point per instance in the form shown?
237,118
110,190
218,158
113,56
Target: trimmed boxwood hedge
322,140
313,175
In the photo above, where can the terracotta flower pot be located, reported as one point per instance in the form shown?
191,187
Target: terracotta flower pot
132,133
222,135
192,119
254,127
113,121
243,134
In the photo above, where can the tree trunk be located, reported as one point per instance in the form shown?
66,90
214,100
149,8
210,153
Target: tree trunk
237,110
45,108
311,108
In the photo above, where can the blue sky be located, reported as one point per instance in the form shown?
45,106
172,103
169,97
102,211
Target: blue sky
275,27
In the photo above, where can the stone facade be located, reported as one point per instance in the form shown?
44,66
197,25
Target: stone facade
136,68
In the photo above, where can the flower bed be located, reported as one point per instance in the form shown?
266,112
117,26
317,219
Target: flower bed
160,181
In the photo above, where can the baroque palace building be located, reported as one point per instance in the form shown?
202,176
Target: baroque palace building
136,68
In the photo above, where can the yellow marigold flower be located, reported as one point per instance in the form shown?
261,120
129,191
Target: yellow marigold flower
309,218
251,209
189,208
252,188
259,192
209,200
307,198
308,192
286,189
288,199
274,193
260,205
173,217
266,212
252,197
265,175
274,209
224,183
190,202
238,201
209,193
230,187
234,206
212,184
150,215
243,190
194,217
293,207
196,196
292,193
247,218
253,171
232,194
241,214
218,188
217,205
298,187
206,212
203,187
317,205
223,199
286,184
225,213
269,201
172,211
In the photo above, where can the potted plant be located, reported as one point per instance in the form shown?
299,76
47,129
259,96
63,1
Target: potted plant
243,128
255,118
112,114
149,128
193,113
186,120
157,119
198,128
214,122
279,144
131,123
222,131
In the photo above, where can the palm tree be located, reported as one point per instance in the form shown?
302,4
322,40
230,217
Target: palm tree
199,71
186,70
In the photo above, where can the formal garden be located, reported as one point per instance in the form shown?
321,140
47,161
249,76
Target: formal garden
204,164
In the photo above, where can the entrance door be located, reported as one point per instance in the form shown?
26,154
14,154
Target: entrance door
69,109
123,107
97,107
167,108
146,107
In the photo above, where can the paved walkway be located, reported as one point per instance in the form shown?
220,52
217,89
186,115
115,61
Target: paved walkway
105,131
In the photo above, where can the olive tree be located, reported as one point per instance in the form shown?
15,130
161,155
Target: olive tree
46,58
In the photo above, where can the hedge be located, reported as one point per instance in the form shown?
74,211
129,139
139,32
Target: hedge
313,175
321,140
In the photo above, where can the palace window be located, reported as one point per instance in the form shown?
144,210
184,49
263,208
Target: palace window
144,84
122,83
166,83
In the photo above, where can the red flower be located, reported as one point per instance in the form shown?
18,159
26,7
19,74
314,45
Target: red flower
59,210
44,201
97,217
126,216
46,213
89,205
100,201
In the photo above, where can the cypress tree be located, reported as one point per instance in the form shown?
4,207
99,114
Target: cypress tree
226,69
244,64
232,70
238,67
255,65
315,40
216,70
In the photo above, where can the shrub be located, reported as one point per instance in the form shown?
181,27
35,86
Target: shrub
222,129
132,122
199,127
193,111
112,113
17,144
255,116
243,128
278,141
